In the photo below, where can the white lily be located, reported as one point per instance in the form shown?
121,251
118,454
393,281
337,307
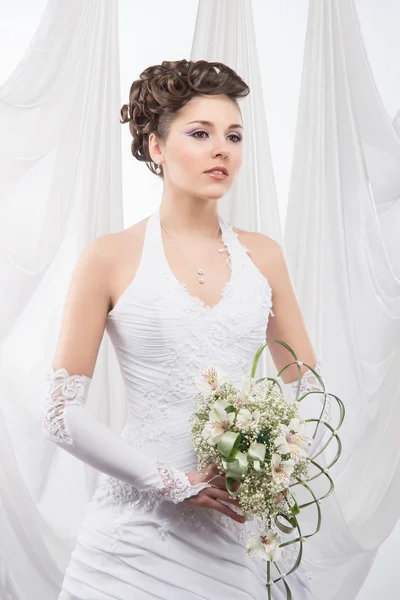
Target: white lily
247,387
293,440
265,545
219,422
247,419
211,380
281,469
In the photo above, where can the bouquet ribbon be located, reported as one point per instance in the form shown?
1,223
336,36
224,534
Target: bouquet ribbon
236,462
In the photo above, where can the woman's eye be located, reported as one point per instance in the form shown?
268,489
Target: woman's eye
238,138
196,132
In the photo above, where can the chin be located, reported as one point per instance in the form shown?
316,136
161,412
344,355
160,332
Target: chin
214,196
217,192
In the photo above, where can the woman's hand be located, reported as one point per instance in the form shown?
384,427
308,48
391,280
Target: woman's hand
210,497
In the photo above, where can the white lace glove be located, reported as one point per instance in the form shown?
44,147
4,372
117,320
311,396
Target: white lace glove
312,404
67,423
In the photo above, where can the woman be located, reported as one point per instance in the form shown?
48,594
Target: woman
177,291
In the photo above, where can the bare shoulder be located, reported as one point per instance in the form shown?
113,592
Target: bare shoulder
120,254
126,239
266,253
104,264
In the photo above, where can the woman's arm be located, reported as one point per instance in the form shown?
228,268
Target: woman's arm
66,422
288,325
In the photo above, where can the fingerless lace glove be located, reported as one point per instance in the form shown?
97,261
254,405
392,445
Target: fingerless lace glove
68,424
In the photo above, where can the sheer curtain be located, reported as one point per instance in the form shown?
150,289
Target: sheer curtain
60,169
60,187
346,171
234,43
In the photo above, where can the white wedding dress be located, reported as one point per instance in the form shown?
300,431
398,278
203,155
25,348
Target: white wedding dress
130,544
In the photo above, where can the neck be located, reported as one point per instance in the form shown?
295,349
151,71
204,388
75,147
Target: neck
195,218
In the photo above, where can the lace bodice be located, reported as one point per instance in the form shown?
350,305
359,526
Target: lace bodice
163,336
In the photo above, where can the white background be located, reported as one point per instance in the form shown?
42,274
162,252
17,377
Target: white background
160,30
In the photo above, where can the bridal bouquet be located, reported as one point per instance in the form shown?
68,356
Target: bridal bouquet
258,439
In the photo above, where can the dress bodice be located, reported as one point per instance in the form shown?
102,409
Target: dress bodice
163,336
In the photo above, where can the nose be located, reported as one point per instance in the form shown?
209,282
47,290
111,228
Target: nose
224,153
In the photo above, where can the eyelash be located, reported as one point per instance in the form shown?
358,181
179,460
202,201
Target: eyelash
239,139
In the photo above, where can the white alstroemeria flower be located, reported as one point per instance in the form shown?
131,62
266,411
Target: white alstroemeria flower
265,545
281,469
247,387
247,419
211,380
293,440
219,422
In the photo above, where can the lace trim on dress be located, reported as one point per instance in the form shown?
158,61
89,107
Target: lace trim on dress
174,486
62,389
234,235
129,500
124,493
195,301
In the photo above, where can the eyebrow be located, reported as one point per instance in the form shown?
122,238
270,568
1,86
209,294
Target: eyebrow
212,124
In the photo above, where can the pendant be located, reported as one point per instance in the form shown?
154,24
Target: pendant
201,280
200,271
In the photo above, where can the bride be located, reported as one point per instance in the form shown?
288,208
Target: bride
175,292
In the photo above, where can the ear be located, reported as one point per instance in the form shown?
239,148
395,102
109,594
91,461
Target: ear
155,148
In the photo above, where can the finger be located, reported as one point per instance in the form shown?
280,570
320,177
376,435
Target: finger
218,481
234,501
212,470
235,486
222,495
222,508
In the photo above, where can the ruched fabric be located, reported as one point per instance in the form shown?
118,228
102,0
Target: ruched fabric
163,336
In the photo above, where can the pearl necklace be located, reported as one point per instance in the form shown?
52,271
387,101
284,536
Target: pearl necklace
200,271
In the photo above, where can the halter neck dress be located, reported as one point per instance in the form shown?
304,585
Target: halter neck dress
163,336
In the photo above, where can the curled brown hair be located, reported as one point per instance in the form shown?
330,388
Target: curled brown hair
163,90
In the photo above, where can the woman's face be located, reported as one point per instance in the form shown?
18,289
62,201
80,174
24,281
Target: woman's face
193,147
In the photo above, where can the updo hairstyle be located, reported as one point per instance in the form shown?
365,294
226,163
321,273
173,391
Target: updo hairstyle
163,90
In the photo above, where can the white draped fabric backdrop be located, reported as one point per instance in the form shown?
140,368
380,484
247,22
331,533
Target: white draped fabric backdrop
321,175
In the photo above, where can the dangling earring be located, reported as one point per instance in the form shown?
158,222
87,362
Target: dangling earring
158,169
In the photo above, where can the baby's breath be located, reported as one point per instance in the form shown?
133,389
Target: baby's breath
259,493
